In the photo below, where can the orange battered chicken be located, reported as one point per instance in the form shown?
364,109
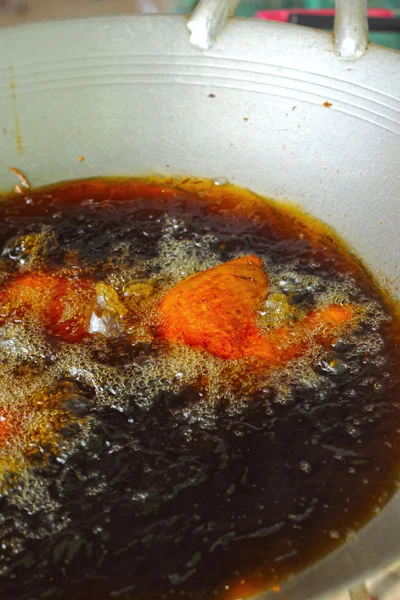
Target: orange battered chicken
216,311
62,306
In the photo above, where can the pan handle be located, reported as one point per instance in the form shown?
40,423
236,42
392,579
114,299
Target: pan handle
208,19
350,29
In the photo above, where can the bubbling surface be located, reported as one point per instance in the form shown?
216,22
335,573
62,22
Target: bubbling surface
140,469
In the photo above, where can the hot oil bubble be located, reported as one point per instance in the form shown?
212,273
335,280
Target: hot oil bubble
365,338
26,250
333,365
299,287
305,466
179,258
22,344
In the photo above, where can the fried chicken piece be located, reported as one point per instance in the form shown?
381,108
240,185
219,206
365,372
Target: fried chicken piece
66,308
216,311
321,327
62,306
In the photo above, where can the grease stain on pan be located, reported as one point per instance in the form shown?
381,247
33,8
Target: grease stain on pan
18,137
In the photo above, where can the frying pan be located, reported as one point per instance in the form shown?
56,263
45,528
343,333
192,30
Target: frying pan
290,112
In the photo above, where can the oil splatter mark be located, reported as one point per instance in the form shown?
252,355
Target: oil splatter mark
81,158
18,138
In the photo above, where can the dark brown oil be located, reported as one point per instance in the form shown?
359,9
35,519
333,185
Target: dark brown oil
162,487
